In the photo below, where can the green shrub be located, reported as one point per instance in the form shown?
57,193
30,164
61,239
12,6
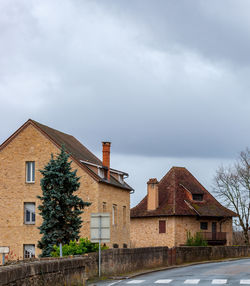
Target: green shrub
84,245
196,240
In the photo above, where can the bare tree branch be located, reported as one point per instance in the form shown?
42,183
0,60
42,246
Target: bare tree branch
232,187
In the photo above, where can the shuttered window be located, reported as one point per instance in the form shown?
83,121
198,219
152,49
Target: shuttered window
124,215
114,215
162,226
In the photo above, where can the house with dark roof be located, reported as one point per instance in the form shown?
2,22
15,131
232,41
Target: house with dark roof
175,206
26,152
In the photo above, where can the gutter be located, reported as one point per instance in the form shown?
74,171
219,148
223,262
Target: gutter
100,166
91,164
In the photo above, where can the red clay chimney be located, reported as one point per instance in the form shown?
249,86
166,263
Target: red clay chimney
106,156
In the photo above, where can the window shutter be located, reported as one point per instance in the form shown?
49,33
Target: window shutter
162,226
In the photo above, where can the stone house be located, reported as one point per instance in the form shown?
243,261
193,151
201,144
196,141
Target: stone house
179,204
26,152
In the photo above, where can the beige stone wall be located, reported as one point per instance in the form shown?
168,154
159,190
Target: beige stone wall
227,227
145,231
120,227
184,224
31,145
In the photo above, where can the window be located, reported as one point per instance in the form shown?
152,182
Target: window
105,171
29,250
104,207
29,213
100,172
30,172
114,214
120,179
124,215
162,226
198,197
115,245
204,225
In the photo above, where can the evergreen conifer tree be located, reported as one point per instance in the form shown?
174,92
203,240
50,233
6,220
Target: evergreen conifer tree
60,208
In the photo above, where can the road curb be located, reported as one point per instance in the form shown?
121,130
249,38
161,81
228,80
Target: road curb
147,271
177,266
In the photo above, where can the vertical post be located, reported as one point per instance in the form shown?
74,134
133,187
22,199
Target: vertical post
3,255
100,236
60,250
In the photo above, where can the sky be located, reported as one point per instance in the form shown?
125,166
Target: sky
167,82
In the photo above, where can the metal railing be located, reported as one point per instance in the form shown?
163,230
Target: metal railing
214,235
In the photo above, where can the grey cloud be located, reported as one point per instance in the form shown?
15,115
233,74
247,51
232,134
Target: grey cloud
218,30
156,80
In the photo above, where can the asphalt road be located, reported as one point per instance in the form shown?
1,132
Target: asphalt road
235,272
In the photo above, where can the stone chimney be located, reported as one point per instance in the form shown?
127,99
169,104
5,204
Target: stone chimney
106,157
153,197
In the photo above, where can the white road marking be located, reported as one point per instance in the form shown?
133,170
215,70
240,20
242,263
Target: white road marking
114,283
164,281
219,281
135,281
192,281
188,281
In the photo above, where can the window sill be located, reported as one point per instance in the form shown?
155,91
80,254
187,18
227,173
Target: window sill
30,182
29,223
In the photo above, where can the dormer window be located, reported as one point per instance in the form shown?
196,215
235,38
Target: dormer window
105,174
120,178
101,172
198,197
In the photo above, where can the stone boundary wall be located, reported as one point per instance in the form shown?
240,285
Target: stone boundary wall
186,254
75,270
49,272
124,260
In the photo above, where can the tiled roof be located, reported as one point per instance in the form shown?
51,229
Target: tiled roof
72,145
78,152
175,198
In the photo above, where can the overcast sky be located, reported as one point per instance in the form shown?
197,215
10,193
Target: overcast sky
167,82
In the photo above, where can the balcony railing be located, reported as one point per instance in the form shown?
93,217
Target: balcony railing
214,235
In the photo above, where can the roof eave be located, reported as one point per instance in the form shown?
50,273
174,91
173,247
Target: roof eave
103,181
